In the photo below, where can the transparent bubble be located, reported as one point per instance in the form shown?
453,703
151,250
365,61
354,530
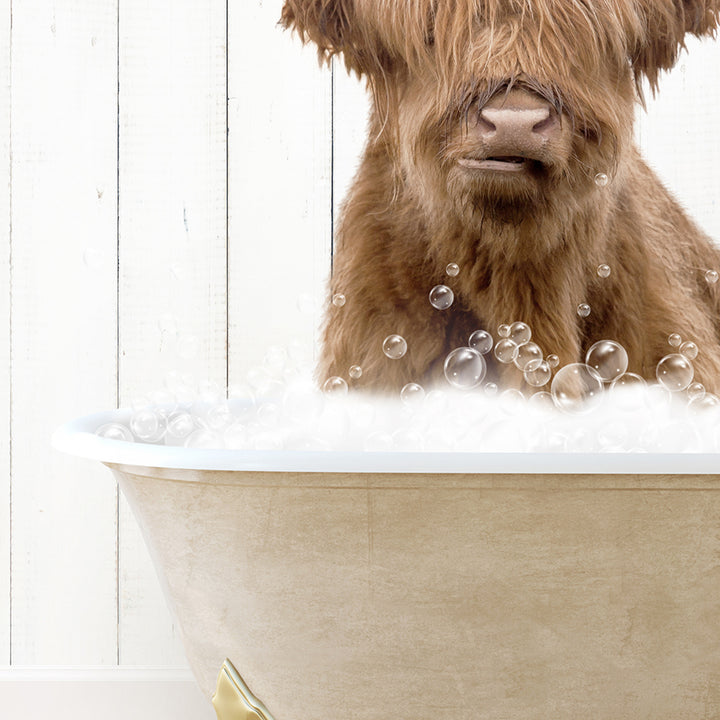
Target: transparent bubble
503,331
703,403
481,341
335,386
695,390
218,417
520,333
394,346
553,360
674,372
338,300
603,270
452,269
276,359
236,436
464,368
711,277
203,439
115,431
577,388
441,297
601,179
657,397
355,372
537,373
506,350
583,310
689,350
674,340
628,390
512,402
491,389
268,414
526,354
608,358
542,401
378,442
412,394
146,425
180,425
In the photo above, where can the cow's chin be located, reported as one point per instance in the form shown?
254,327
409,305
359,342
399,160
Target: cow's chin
514,196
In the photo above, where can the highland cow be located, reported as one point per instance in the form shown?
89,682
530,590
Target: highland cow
501,139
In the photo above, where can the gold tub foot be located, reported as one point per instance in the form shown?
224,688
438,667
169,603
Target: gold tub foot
233,700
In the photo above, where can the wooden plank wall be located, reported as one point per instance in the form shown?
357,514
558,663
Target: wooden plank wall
175,168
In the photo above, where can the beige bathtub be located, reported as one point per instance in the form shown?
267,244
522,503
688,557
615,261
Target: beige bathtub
342,588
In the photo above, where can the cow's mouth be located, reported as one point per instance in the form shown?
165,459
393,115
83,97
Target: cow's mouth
502,163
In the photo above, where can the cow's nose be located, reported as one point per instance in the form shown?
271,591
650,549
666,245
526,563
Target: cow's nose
517,122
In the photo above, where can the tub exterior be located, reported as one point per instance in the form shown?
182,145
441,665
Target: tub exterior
413,596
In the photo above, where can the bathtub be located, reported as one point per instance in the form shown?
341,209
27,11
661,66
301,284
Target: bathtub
341,586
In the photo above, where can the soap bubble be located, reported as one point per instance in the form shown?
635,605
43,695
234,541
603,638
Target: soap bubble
675,372
603,270
520,333
601,179
145,425
577,388
412,394
203,439
553,360
527,353
335,386
583,310
218,417
452,269
503,330
657,397
506,350
441,297
695,390
481,341
394,346
491,389
338,300
711,277
704,402
674,340
115,431
608,358
627,389
464,368
180,425
537,373
689,350
355,372
542,401
235,437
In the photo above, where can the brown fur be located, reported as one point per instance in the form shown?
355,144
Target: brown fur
528,248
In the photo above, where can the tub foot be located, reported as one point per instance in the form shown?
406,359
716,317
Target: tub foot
233,700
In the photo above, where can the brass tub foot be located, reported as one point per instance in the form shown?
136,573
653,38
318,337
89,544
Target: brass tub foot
233,700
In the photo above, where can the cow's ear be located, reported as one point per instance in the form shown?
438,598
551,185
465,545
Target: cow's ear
661,29
335,29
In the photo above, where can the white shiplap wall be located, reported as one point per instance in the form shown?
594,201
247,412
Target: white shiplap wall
173,168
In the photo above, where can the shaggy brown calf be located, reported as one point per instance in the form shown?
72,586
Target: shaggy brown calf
495,126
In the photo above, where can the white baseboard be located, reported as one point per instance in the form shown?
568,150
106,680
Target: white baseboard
110,693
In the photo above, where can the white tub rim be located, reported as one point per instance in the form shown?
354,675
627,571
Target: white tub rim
77,437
